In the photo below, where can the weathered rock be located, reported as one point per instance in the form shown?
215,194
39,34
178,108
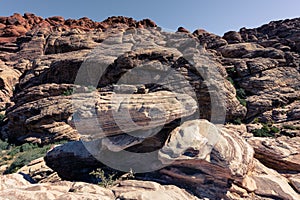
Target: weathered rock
142,190
12,181
266,182
21,189
8,79
15,187
196,152
113,111
281,153
117,55
250,50
124,113
39,172
209,40
295,182
233,37
213,156
150,66
182,30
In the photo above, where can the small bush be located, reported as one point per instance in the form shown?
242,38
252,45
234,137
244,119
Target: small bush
231,80
256,120
242,101
240,92
106,180
2,117
266,131
26,157
24,154
237,121
230,70
91,88
68,92
27,147
3,145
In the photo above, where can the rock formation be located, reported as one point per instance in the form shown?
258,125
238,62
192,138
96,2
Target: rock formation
182,110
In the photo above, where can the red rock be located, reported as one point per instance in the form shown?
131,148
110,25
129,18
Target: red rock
16,19
233,37
4,40
146,23
57,19
182,30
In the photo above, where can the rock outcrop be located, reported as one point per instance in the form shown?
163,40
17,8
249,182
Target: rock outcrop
131,97
15,187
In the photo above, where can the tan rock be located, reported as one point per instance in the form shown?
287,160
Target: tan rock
142,190
295,182
271,184
8,79
14,187
281,153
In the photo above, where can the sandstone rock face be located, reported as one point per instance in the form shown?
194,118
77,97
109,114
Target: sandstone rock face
34,124
211,162
139,98
269,183
8,79
281,153
266,67
125,60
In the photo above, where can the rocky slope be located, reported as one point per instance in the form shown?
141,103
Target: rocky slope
182,110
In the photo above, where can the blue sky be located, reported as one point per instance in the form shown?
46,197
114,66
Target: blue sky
217,16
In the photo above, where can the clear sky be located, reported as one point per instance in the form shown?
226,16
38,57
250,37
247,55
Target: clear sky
217,16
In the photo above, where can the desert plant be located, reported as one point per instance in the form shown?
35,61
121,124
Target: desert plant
91,88
68,92
2,117
230,80
26,157
106,180
256,120
237,121
24,154
240,92
3,145
268,130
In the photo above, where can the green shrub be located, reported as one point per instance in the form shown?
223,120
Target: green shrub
2,117
230,70
237,121
26,157
274,129
106,180
256,120
242,101
266,131
240,92
14,150
3,145
91,88
231,80
24,154
27,147
68,92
